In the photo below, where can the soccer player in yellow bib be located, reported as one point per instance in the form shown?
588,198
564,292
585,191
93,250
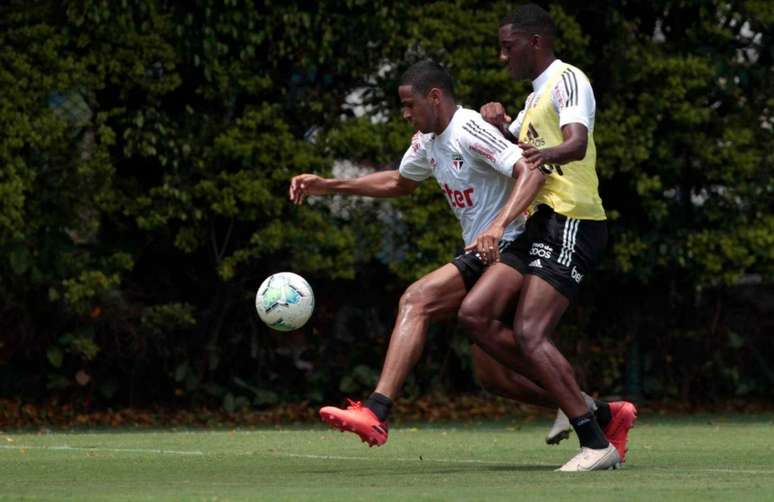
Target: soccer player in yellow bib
566,233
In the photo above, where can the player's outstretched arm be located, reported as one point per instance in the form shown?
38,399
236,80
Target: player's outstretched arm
529,180
380,184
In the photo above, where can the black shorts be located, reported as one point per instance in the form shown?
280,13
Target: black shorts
471,267
559,249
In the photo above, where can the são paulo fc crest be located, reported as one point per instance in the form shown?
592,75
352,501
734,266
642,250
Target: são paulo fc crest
457,161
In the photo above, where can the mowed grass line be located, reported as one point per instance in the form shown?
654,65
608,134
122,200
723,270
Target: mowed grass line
701,458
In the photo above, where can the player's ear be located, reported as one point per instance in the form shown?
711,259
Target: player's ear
435,95
541,40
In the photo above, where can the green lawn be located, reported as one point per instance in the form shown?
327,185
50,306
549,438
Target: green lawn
702,458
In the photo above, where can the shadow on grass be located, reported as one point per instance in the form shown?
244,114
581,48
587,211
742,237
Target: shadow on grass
429,469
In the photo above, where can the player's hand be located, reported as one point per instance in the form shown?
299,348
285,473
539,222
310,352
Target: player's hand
494,113
306,184
487,244
533,156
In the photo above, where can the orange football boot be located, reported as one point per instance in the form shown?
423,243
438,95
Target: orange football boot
623,415
358,419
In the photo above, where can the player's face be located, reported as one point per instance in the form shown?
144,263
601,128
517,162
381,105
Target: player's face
417,109
516,52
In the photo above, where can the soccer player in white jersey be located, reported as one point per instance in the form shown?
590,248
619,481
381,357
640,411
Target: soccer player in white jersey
473,166
565,237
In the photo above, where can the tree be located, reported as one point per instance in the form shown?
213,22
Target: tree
147,147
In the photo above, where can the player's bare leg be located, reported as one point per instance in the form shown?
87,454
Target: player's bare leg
491,375
487,329
481,313
526,346
504,382
539,310
435,296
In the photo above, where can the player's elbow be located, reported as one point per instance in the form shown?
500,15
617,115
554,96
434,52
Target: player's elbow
578,152
403,186
404,190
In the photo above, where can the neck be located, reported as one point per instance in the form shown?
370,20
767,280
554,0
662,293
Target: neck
445,115
543,62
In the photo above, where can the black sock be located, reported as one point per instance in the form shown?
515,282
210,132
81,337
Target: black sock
589,433
603,414
379,404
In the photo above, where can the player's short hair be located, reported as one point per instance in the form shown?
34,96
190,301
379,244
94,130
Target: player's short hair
427,74
530,17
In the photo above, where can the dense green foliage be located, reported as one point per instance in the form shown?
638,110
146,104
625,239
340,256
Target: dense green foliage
146,150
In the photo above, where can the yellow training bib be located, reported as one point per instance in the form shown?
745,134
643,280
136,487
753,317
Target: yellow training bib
570,189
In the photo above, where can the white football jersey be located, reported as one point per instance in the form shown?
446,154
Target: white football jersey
473,165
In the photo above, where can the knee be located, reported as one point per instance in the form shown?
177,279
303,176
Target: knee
415,300
473,321
528,337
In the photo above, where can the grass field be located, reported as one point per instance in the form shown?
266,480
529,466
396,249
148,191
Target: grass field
701,458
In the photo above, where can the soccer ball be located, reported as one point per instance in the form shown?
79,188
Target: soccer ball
284,301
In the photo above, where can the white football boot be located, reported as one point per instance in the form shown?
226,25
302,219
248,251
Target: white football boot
589,459
561,428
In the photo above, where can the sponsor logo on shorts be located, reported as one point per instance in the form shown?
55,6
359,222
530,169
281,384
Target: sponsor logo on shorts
536,264
541,250
576,275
